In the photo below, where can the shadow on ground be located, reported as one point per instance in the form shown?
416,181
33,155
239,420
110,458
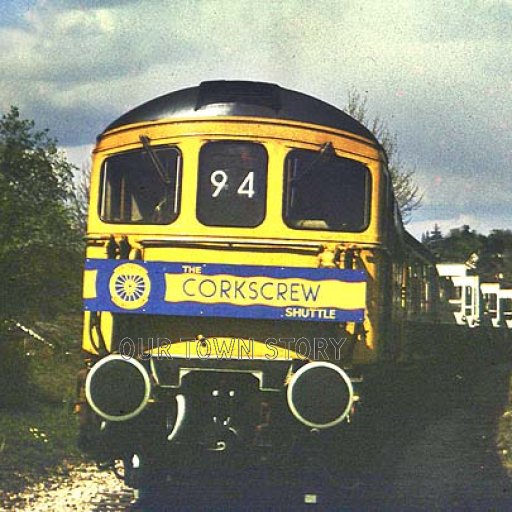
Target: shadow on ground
424,439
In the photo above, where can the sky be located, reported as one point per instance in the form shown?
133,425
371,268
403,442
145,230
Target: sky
439,73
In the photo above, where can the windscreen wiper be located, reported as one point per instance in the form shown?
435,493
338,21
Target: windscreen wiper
156,161
326,153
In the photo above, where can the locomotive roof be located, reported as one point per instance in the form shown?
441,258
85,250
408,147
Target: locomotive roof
242,98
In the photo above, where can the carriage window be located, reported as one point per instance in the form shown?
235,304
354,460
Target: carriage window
506,307
139,188
455,292
469,295
324,191
491,302
232,184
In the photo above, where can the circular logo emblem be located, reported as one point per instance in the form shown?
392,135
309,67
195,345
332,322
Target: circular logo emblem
130,286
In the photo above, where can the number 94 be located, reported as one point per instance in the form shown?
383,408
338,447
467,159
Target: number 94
219,179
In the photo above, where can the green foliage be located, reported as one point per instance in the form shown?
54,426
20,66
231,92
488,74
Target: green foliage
15,385
493,260
41,250
496,257
38,429
458,246
81,199
35,444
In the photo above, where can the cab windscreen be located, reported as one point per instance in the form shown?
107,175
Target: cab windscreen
232,184
140,187
326,192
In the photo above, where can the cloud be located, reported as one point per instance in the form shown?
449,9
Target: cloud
80,155
468,20
320,47
88,4
438,72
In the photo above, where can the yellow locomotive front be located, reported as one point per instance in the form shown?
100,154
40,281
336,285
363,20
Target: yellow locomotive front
232,284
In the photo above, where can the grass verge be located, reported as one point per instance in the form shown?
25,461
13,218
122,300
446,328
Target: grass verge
38,428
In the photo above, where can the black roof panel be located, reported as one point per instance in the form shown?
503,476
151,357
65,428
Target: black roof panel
240,98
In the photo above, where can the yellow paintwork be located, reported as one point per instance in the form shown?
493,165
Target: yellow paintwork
275,257
123,295
89,285
278,137
225,348
93,336
312,294
278,140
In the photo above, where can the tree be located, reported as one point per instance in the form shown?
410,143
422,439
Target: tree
41,251
81,198
458,246
489,256
436,233
433,238
407,191
495,262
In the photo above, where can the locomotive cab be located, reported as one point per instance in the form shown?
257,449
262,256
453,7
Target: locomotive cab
237,273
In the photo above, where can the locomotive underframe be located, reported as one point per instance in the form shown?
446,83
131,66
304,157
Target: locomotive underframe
215,411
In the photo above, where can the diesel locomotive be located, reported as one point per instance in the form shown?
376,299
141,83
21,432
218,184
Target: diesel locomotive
246,265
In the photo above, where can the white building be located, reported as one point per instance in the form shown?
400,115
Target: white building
497,304
463,294
474,303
